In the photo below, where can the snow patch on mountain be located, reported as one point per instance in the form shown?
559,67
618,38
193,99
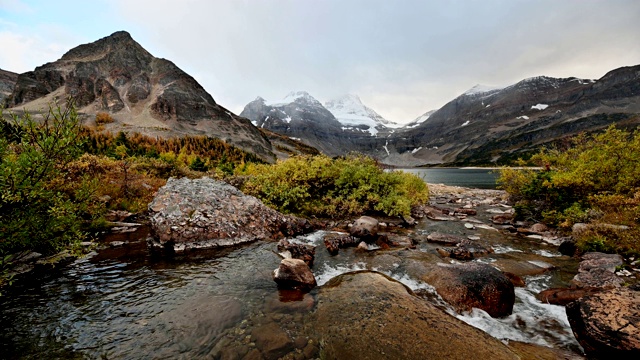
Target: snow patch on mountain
540,106
351,112
420,119
294,96
481,89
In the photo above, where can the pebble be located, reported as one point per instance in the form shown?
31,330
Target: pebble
469,226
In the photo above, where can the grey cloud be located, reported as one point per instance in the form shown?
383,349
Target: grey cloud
402,57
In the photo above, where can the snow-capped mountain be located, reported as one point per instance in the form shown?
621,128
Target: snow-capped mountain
353,114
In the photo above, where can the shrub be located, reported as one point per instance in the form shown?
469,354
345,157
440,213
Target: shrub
39,208
596,179
321,186
103,118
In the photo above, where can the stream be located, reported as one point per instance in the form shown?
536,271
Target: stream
123,303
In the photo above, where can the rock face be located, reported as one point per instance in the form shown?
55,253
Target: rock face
484,124
381,328
473,285
607,324
142,93
205,213
294,274
7,82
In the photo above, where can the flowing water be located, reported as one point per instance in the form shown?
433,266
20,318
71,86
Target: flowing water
124,303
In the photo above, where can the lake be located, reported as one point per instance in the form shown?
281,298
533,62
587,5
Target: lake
467,177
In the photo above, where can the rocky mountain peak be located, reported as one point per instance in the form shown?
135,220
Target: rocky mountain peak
120,41
143,93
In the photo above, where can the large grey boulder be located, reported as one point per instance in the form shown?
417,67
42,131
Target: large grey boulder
597,270
204,213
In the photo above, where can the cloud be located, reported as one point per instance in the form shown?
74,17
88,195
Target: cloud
403,58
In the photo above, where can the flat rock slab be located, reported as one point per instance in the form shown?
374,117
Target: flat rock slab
366,315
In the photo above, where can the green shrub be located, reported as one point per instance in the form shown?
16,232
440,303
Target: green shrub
597,178
40,209
321,186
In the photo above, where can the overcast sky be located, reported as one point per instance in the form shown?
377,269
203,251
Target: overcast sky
402,58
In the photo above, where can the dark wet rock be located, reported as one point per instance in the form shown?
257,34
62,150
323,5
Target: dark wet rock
464,211
567,246
205,213
401,241
303,252
515,279
365,228
598,270
473,285
445,239
563,296
335,241
392,323
460,253
607,324
294,274
272,341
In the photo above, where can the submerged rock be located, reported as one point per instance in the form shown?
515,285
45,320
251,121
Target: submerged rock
473,285
366,315
607,324
445,239
204,213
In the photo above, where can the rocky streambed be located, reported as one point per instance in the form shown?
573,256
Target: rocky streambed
435,289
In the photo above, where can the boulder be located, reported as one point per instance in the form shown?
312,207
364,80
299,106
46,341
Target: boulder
303,252
567,246
335,241
204,213
387,321
473,285
365,228
465,211
445,239
597,270
294,274
607,324
539,228
502,219
563,296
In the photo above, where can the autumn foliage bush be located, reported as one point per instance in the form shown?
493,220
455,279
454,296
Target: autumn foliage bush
596,179
324,187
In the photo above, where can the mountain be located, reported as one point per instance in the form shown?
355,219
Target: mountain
300,116
419,120
354,115
7,82
498,124
142,93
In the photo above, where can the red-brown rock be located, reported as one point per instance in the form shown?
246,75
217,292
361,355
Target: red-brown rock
607,324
